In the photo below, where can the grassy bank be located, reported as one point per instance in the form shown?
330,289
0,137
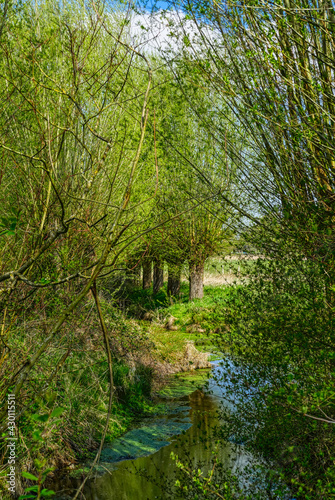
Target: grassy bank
199,321
66,402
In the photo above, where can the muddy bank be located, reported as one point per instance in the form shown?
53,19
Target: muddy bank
189,359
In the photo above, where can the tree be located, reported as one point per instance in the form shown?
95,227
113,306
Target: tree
69,164
158,275
272,65
189,158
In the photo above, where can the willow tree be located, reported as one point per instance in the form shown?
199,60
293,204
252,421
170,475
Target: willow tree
75,109
197,231
272,63
191,162
273,66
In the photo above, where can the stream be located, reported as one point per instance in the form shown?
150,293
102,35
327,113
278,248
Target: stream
129,463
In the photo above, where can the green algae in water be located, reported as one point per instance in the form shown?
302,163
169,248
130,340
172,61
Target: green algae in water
143,441
184,384
148,439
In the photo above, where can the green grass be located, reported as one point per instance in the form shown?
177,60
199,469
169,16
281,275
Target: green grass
199,321
206,312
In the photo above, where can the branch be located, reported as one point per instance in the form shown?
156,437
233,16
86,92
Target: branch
110,367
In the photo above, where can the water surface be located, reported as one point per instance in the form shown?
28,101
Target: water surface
136,466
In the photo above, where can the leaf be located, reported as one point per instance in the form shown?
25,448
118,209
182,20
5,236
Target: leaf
32,488
47,493
27,475
40,463
57,412
45,281
46,471
40,418
186,41
37,436
9,225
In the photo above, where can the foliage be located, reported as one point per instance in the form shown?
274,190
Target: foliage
281,331
112,158
67,71
272,65
36,446
80,385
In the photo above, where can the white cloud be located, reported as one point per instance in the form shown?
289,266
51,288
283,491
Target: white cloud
165,31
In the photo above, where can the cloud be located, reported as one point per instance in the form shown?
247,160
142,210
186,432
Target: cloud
166,31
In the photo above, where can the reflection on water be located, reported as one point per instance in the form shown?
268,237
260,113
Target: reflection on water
126,479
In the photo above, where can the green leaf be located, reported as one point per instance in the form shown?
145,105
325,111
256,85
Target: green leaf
4,222
40,463
32,488
44,281
40,418
186,41
57,412
37,435
27,475
46,471
47,493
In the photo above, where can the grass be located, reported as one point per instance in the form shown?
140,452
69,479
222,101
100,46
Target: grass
198,321
234,264
206,312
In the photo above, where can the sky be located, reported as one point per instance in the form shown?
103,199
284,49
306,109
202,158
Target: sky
162,30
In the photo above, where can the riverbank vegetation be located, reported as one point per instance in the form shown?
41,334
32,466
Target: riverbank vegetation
133,171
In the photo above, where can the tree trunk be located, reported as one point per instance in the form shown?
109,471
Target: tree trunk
158,276
173,287
196,281
147,273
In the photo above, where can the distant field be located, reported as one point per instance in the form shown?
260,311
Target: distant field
220,271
